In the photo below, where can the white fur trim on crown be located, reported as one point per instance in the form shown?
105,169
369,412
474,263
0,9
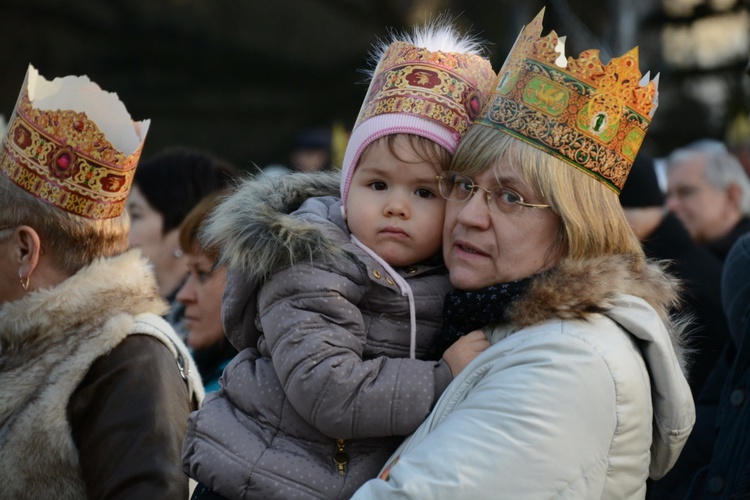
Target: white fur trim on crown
387,124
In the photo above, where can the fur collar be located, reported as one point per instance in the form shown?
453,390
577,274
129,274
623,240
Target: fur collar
95,292
255,231
577,289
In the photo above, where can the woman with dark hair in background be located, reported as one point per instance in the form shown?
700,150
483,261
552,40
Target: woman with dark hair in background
165,188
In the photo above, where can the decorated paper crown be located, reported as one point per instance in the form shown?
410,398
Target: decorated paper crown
589,115
72,145
431,93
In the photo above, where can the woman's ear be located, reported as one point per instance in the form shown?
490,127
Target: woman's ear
27,250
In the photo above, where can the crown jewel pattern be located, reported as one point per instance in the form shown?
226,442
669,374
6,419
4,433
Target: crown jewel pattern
64,159
590,115
448,88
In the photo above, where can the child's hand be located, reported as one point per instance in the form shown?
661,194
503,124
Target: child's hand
464,350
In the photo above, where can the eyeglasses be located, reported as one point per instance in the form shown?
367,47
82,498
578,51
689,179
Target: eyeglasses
459,187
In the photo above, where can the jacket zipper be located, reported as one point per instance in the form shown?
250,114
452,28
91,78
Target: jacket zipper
341,458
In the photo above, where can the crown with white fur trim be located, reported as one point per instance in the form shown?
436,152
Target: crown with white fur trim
430,93
591,116
72,145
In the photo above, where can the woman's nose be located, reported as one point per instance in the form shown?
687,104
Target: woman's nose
475,212
672,203
186,293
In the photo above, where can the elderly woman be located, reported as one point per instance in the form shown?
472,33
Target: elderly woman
95,387
581,394
201,295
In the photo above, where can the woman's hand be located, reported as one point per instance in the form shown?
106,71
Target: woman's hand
464,350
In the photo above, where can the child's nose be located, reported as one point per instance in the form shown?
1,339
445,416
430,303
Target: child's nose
397,206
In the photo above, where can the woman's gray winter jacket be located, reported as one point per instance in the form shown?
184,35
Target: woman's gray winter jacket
326,334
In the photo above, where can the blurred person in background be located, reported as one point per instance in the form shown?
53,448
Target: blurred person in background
709,191
165,188
714,462
663,237
727,475
95,387
201,295
309,151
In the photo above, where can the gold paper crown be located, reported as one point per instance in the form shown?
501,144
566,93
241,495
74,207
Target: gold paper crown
589,115
62,157
449,88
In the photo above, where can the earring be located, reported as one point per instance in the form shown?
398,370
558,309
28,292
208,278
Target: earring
24,284
177,253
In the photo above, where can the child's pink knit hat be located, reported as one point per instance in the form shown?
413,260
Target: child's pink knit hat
431,84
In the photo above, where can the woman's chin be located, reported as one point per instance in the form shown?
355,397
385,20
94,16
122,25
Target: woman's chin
467,280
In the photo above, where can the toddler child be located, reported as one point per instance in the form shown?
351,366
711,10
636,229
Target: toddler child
334,300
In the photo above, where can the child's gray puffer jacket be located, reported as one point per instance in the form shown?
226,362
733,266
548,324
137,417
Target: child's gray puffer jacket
324,374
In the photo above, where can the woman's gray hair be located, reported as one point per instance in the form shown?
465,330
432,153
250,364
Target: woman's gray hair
723,169
71,241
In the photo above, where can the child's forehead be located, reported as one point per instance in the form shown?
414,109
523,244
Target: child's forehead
403,151
397,168
414,142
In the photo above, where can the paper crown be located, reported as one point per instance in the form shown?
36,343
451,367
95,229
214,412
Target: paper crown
430,93
72,145
593,117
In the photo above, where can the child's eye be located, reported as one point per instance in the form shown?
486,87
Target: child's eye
424,193
378,186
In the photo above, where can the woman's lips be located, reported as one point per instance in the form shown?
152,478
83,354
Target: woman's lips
466,248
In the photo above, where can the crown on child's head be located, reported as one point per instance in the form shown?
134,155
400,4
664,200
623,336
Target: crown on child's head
448,88
593,117
72,145
432,83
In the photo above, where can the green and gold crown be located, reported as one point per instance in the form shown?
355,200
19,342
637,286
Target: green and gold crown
590,115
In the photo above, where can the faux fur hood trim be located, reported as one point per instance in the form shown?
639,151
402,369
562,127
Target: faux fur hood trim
255,232
100,290
575,290
578,289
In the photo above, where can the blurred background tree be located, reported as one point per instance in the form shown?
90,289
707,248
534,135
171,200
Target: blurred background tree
241,77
